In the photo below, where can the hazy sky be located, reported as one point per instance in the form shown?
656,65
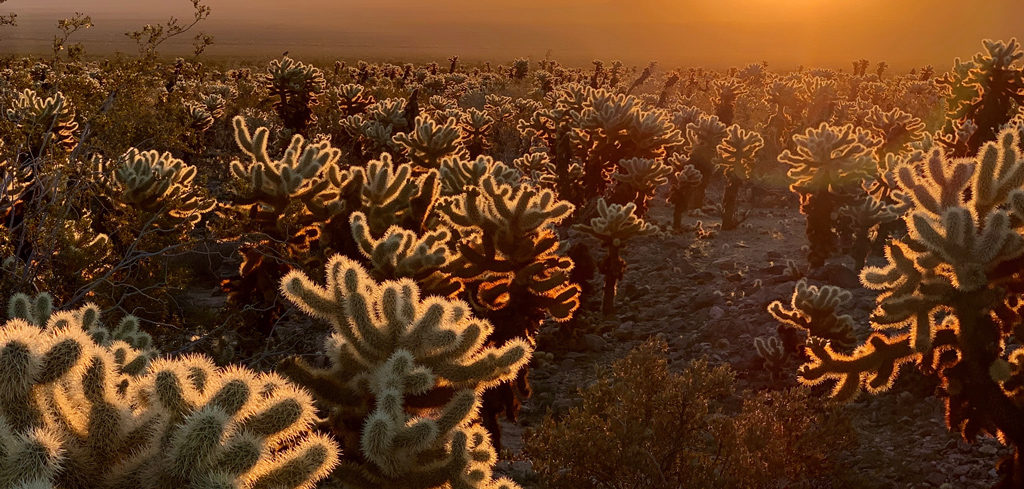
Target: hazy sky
715,32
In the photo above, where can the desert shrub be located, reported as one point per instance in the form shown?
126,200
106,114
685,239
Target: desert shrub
641,425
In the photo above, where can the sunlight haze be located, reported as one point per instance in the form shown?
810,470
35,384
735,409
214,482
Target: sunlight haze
709,32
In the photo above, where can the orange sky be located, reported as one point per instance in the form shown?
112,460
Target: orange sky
710,32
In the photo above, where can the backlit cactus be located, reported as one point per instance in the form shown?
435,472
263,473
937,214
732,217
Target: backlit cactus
737,154
74,413
458,174
983,92
703,137
684,180
14,182
400,253
423,361
949,295
614,226
814,310
43,122
157,184
827,167
273,184
295,87
429,142
510,255
514,267
476,126
353,99
637,181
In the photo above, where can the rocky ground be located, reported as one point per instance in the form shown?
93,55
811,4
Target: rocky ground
708,298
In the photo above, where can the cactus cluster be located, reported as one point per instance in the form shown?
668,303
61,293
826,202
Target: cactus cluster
949,295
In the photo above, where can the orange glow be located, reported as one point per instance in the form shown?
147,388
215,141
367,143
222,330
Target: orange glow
707,32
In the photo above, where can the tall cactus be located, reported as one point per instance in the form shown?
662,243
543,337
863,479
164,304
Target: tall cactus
295,87
829,163
984,92
614,226
424,363
950,297
736,156
514,266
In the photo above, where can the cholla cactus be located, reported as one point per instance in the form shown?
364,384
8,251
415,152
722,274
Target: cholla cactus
896,129
388,194
156,184
986,92
614,127
772,353
510,255
82,412
199,118
638,180
685,178
300,175
513,265
864,216
615,226
429,143
813,309
459,174
14,183
736,156
537,168
400,253
425,364
727,91
703,136
949,296
828,165
476,126
353,99
44,122
203,114
295,87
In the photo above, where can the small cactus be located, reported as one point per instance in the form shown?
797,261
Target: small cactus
614,227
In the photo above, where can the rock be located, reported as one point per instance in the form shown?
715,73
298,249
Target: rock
704,299
594,342
773,270
773,255
701,277
715,313
724,264
838,275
